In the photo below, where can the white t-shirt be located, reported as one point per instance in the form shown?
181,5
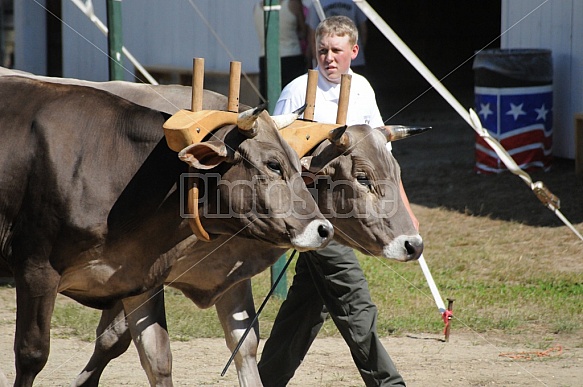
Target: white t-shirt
362,106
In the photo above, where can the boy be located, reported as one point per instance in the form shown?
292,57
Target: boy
330,281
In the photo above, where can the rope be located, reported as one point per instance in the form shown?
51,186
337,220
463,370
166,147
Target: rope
551,352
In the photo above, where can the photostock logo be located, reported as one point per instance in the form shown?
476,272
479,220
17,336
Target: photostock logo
261,197
343,198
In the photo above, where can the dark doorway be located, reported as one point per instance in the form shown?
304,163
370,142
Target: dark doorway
443,34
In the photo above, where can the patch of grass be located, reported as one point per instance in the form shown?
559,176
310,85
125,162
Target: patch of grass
565,326
504,276
492,289
405,303
72,319
186,321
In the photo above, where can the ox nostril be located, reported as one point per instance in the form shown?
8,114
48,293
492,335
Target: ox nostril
413,251
410,248
324,231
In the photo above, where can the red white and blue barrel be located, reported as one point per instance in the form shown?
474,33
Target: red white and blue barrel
514,100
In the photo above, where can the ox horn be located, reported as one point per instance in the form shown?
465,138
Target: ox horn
398,132
283,120
340,138
247,120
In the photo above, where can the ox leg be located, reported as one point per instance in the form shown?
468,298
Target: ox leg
146,318
36,291
236,310
112,339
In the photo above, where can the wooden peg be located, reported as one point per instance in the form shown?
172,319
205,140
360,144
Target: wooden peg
311,95
197,83
234,87
343,99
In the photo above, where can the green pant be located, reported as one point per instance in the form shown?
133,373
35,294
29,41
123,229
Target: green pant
327,281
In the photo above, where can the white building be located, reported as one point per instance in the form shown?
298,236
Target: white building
556,25
165,36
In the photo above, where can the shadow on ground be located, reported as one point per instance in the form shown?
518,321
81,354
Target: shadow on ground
438,170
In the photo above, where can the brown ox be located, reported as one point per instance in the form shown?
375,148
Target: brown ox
90,203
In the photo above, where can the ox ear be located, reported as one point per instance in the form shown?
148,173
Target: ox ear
204,155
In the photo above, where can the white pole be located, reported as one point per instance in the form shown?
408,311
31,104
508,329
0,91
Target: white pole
319,9
432,286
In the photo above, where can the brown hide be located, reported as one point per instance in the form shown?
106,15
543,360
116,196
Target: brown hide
90,205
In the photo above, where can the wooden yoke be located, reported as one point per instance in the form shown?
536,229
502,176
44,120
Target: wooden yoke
189,127
303,135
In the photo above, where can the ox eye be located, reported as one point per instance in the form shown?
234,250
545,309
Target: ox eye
364,181
275,167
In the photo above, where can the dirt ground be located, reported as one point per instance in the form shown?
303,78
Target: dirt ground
437,173
468,359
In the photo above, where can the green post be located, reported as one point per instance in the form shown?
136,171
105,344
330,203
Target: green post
273,65
114,40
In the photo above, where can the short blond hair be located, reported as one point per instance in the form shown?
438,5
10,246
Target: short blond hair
339,26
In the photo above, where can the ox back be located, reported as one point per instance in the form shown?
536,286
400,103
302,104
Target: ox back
84,175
